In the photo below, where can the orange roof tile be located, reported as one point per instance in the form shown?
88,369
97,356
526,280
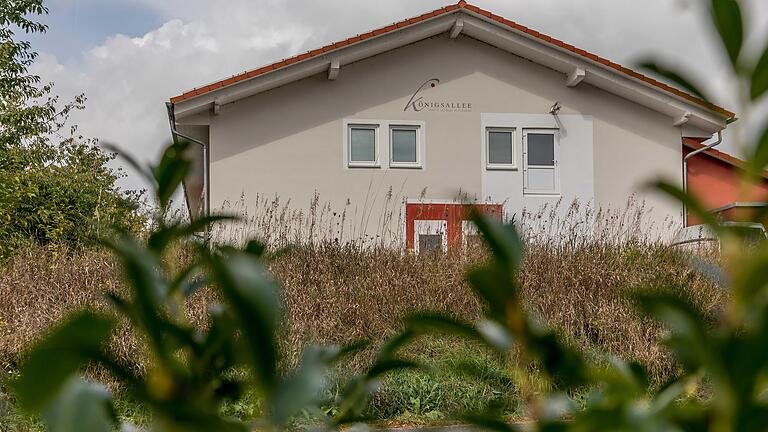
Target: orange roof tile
438,12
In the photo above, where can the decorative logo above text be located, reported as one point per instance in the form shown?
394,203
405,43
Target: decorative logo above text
418,103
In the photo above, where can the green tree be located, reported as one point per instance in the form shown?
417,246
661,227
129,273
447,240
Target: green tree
57,187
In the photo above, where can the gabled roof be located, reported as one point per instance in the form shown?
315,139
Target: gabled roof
592,61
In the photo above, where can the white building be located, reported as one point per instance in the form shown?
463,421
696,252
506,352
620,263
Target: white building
451,105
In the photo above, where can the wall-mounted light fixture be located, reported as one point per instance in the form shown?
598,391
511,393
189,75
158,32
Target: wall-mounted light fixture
555,108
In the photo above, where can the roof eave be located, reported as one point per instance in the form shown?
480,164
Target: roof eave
483,26
293,71
603,74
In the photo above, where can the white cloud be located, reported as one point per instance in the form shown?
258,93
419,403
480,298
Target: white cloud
127,80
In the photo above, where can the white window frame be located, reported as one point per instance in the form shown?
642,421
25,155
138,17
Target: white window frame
500,166
468,228
430,227
410,127
348,126
555,167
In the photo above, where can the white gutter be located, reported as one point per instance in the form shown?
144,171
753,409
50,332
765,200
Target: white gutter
206,161
685,169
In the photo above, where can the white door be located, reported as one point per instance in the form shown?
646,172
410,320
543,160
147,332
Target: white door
540,154
430,235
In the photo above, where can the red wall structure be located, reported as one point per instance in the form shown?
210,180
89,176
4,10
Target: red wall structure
453,213
714,178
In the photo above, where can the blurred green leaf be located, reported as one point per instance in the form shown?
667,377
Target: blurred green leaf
495,335
162,237
759,83
388,349
664,399
353,348
759,159
726,15
675,77
256,248
435,322
302,388
557,406
170,172
750,288
382,367
356,393
219,345
187,280
255,304
562,364
149,295
80,406
72,344
488,332
503,239
745,358
131,161
629,378
122,306
492,376
495,285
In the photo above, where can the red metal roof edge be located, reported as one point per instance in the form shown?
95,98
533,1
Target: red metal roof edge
717,154
435,13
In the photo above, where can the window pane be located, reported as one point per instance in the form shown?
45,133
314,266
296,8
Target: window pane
363,145
541,179
404,145
430,243
541,149
500,147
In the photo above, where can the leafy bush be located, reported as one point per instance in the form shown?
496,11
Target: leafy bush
53,192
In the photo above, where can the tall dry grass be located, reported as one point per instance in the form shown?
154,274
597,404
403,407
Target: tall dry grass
39,286
376,222
574,277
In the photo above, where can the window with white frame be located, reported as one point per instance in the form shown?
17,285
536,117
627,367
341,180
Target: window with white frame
363,145
405,149
500,148
384,143
540,153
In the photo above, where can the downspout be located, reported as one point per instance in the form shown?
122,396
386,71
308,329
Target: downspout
685,170
206,160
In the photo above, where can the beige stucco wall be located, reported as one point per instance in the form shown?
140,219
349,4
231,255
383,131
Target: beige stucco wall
289,141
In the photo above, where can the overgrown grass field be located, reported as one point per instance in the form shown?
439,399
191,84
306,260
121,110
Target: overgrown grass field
338,293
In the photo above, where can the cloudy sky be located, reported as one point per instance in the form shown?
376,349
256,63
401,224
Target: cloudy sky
130,56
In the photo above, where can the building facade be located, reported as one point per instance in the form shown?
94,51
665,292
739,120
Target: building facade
455,106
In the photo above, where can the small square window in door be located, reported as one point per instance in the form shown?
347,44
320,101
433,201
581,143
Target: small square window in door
541,149
430,243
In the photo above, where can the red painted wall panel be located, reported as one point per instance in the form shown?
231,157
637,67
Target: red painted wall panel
453,213
716,183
